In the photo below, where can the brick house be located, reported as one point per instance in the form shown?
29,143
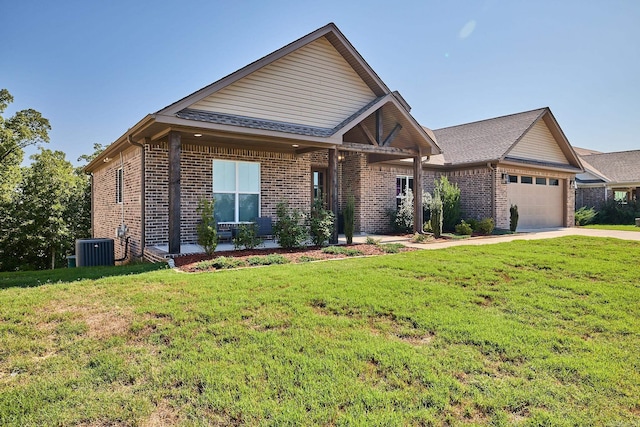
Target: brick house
310,117
608,176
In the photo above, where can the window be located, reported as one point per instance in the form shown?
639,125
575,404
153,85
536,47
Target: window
554,181
402,183
541,181
526,180
236,190
119,185
621,197
513,179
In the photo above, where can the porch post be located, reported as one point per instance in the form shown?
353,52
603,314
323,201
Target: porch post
174,192
333,192
418,219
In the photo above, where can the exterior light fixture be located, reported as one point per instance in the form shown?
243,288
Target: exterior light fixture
295,145
197,135
505,178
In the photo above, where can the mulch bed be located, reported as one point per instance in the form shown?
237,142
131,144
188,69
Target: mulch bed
189,262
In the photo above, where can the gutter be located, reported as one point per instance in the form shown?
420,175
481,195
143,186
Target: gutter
143,180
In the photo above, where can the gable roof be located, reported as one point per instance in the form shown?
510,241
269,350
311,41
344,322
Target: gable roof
618,167
332,34
493,139
205,107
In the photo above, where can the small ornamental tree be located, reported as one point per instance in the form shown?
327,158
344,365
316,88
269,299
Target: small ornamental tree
349,218
207,231
513,220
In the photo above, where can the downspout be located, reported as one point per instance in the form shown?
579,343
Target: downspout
493,191
142,196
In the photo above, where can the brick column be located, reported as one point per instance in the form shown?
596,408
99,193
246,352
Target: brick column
174,192
418,219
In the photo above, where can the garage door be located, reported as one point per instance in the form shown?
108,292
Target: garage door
540,201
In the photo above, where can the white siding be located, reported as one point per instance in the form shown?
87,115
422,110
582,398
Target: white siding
313,85
539,144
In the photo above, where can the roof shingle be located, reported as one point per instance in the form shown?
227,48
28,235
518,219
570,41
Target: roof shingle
621,166
485,140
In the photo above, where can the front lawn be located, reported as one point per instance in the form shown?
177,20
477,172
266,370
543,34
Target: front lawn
540,332
612,227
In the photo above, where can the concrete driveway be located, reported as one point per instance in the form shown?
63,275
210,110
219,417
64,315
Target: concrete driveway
521,235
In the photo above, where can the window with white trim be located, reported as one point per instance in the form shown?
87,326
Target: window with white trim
402,183
119,185
236,190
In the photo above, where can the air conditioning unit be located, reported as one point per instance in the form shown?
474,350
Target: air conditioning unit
94,252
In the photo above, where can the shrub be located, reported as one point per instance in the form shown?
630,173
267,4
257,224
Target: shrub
614,212
221,263
513,218
450,196
349,218
585,215
463,229
436,214
391,248
268,259
402,218
206,229
321,223
486,226
341,250
372,241
421,238
307,258
473,223
288,229
247,236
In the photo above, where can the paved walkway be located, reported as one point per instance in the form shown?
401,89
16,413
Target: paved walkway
524,235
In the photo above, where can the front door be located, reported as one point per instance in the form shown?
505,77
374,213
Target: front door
319,184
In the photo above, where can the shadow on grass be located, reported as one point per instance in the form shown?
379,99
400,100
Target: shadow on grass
28,279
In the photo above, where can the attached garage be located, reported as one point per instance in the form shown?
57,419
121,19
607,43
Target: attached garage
521,159
540,201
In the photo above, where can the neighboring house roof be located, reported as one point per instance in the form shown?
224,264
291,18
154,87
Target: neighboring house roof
496,139
619,167
585,151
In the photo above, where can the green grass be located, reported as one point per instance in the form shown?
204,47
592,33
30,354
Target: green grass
612,227
540,332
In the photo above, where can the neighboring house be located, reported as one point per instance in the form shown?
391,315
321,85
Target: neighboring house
521,159
608,176
309,118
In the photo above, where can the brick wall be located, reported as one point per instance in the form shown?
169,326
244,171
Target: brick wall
592,197
475,192
283,177
107,214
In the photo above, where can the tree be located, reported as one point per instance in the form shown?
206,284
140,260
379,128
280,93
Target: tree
41,226
26,127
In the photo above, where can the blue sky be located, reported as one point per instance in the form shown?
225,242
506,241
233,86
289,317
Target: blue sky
95,68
